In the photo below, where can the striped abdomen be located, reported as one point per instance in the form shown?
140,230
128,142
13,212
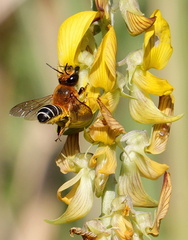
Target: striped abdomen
48,112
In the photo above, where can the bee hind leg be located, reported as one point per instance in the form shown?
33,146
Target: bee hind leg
60,131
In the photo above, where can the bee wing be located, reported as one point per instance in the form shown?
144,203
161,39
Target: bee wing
29,109
79,111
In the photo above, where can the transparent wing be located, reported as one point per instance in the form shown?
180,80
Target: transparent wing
29,109
79,112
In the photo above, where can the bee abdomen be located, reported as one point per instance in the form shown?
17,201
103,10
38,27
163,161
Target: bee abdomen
48,112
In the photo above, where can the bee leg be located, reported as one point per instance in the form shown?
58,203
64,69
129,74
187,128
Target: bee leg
60,131
81,90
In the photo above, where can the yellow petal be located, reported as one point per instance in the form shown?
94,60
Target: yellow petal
111,99
100,132
151,84
122,227
149,168
70,34
81,203
103,70
130,183
106,160
69,184
143,110
160,132
68,198
163,205
157,44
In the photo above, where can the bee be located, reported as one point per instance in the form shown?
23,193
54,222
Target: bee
63,107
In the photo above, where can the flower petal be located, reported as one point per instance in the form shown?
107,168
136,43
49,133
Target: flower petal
70,35
149,168
122,227
163,205
69,184
157,44
103,70
143,110
160,132
85,234
134,19
130,183
82,201
151,84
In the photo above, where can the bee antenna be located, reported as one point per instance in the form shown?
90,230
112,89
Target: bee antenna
54,68
66,69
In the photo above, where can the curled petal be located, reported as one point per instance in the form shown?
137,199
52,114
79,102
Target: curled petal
134,19
104,161
105,130
97,227
160,132
130,184
143,110
151,84
70,148
163,205
103,70
107,163
138,24
149,168
70,159
136,142
85,234
69,184
70,34
157,44
122,227
103,7
80,203
100,132
111,122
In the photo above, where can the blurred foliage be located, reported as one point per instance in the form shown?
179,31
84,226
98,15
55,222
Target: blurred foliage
29,177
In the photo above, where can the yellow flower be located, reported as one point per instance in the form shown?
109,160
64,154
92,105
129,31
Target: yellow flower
157,44
136,164
104,132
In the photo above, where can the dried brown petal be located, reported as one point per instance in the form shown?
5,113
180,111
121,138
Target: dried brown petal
86,235
137,24
110,121
70,148
163,205
160,132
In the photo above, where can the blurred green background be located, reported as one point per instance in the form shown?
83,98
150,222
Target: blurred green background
29,177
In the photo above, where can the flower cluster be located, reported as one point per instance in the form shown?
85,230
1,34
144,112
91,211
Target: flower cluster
104,86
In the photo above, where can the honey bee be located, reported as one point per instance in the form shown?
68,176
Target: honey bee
62,107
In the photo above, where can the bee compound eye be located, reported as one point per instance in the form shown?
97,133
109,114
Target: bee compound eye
72,80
